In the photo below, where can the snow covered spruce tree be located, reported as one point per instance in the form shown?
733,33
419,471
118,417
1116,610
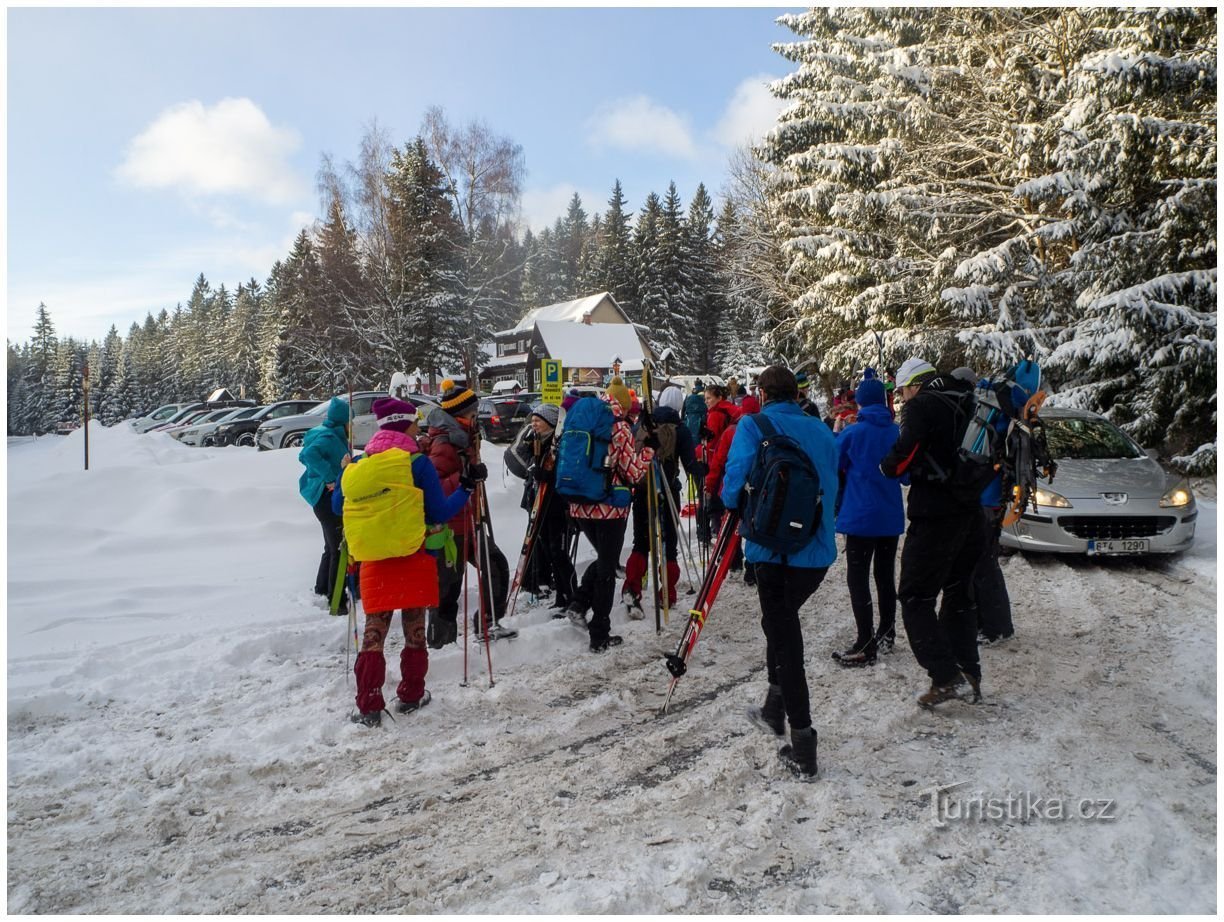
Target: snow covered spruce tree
980,184
1134,180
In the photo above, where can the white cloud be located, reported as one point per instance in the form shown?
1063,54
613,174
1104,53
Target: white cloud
750,113
227,149
638,123
541,207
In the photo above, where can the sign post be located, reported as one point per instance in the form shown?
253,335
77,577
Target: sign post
85,387
551,389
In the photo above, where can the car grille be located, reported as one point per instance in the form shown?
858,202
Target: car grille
1116,526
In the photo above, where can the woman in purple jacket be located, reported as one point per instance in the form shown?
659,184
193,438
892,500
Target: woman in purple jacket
871,516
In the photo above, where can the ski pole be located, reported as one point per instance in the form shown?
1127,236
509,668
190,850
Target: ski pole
529,543
464,564
484,575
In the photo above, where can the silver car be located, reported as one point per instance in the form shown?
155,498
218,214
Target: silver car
201,432
1109,496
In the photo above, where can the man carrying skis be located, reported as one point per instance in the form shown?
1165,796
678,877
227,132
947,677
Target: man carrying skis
945,534
675,447
451,447
785,581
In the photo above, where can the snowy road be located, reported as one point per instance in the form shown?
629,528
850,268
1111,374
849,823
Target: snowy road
178,739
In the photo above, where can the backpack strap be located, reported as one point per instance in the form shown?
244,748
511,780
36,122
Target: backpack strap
768,430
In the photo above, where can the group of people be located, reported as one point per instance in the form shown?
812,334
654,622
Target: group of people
419,485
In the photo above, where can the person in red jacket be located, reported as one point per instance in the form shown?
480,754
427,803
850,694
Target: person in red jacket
451,446
604,524
714,483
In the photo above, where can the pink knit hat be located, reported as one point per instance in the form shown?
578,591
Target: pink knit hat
394,414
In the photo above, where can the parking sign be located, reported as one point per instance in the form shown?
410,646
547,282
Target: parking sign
552,388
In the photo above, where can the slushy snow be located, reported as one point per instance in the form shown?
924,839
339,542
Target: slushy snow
179,742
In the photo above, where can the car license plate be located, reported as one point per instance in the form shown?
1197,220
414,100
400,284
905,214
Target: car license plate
1119,546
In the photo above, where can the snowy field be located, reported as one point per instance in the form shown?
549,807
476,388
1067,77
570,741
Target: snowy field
179,742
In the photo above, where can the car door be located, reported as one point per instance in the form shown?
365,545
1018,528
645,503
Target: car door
365,423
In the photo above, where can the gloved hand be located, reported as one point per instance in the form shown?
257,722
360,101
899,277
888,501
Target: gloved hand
651,441
476,473
699,470
537,473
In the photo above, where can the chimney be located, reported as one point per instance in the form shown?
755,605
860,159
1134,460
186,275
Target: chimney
586,318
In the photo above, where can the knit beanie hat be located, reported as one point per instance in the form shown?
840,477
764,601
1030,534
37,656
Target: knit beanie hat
617,391
870,393
801,379
570,399
547,412
394,414
456,399
913,369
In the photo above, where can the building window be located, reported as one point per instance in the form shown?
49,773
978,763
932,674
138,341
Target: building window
535,379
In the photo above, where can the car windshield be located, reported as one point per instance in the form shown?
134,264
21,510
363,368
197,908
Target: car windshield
1089,439
318,409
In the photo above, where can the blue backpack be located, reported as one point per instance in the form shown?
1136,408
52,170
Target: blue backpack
582,455
694,414
781,504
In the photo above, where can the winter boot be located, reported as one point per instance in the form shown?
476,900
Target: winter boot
772,714
975,683
633,605
441,633
749,574
861,654
601,646
371,719
407,707
937,694
799,755
673,577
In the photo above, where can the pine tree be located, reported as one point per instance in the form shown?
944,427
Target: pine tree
649,275
612,262
42,413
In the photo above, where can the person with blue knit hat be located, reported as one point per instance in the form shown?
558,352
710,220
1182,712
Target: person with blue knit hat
325,454
871,516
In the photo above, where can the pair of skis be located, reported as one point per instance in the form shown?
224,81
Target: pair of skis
654,522
715,575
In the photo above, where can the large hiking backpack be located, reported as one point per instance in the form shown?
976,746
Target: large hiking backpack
695,415
666,433
384,510
583,474
781,504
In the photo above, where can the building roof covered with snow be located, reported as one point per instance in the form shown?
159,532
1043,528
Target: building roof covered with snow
596,308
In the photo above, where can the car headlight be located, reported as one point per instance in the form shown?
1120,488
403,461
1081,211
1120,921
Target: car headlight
1050,498
1180,495
272,428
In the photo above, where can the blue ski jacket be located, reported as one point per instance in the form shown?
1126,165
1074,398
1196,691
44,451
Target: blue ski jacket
323,447
871,505
814,438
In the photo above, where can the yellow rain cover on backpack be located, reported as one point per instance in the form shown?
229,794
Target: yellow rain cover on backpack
384,510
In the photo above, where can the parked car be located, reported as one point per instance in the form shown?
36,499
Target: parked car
204,432
500,418
287,431
1109,496
195,424
158,416
241,431
181,418
183,415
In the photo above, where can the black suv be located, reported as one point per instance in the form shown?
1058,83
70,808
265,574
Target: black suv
242,431
502,417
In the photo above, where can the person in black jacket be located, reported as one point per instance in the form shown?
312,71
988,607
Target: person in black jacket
550,561
945,534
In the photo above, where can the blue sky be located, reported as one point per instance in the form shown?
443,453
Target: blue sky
148,145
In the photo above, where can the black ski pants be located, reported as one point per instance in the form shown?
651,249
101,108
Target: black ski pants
861,552
994,615
641,520
553,552
598,586
333,531
450,582
939,556
783,590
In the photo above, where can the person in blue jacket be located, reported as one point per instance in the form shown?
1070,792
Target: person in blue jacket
783,586
871,516
324,453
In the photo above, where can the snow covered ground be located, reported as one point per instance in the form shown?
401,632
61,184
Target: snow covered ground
178,737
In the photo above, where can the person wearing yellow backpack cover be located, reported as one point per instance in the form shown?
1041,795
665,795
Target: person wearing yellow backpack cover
395,514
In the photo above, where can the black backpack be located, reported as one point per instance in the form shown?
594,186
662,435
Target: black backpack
782,501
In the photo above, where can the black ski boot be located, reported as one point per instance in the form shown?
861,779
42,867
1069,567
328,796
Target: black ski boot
937,694
772,714
371,719
799,755
857,656
601,646
441,633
